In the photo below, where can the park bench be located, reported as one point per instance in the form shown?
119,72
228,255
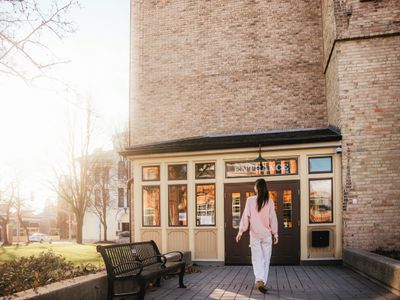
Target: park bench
141,262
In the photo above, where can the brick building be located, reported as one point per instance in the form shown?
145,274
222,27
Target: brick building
316,84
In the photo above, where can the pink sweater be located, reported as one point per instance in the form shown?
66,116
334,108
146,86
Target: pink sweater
262,223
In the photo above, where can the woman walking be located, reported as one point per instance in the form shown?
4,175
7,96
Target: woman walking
259,212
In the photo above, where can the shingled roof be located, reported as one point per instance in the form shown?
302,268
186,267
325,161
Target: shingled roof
242,140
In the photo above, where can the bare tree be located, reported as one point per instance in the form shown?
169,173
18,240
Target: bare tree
120,138
76,186
100,201
24,25
6,204
19,205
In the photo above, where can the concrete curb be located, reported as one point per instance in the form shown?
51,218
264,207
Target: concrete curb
381,269
93,286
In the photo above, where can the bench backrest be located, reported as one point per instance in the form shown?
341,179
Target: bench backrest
123,258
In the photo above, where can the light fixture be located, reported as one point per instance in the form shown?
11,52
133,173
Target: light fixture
260,160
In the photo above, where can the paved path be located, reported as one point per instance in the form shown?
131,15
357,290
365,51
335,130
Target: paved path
285,282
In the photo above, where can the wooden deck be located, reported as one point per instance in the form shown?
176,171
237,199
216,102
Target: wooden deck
285,282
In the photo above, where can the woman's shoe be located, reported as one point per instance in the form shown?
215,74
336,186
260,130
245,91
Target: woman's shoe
261,286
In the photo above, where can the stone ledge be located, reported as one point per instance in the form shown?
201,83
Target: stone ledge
93,286
382,269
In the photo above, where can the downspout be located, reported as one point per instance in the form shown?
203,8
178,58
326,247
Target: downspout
128,202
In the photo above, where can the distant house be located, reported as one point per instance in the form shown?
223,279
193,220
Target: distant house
44,222
109,175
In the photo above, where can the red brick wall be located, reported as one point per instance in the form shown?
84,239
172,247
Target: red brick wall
206,67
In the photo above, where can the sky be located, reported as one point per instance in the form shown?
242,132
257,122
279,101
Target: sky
34,118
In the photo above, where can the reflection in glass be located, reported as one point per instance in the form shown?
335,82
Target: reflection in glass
177,172
274,196
151,205
177,205
321,201
235,210
205,204
287,209
320,164
205,170
151,173
249,194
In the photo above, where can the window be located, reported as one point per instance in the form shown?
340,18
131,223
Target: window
121,197
106,195
177,205
205,170
235,210
97,197
97,175
287,208
177,172
320,164
205,205
121,170
151,205
125,226
106,175
320,200
151,173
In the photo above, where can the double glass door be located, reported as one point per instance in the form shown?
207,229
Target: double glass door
285,195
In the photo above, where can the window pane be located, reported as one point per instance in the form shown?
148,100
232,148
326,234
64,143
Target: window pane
177,172
151,206
151,173
321,201
177,205
250,194
205,204
287,209
206,170
274,196
121,197
235,210
121,170
320,164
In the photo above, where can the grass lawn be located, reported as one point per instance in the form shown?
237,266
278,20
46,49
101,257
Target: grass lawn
76,253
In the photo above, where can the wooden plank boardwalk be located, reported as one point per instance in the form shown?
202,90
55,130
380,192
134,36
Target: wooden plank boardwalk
285,282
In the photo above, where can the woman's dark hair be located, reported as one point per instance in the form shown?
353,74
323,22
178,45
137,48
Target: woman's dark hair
262,193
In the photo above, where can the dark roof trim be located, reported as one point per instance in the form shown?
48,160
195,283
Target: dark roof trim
242,140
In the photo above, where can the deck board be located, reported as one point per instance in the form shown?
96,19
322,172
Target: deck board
284,282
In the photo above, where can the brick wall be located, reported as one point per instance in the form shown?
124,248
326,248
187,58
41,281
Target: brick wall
355,18
362,69
205,67
328,27
369,95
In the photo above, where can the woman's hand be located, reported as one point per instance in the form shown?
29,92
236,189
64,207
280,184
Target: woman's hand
276,239
238,237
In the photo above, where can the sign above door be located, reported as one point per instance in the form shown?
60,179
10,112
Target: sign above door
272,167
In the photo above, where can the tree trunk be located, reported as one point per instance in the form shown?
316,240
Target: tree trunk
25,228
79,230
105,231
4,224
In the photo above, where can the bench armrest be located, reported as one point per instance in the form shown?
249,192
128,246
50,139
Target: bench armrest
160,258
175,252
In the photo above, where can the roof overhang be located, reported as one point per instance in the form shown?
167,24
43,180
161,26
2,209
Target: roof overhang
242,140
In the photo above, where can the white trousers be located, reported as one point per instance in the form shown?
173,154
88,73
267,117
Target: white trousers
261,257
